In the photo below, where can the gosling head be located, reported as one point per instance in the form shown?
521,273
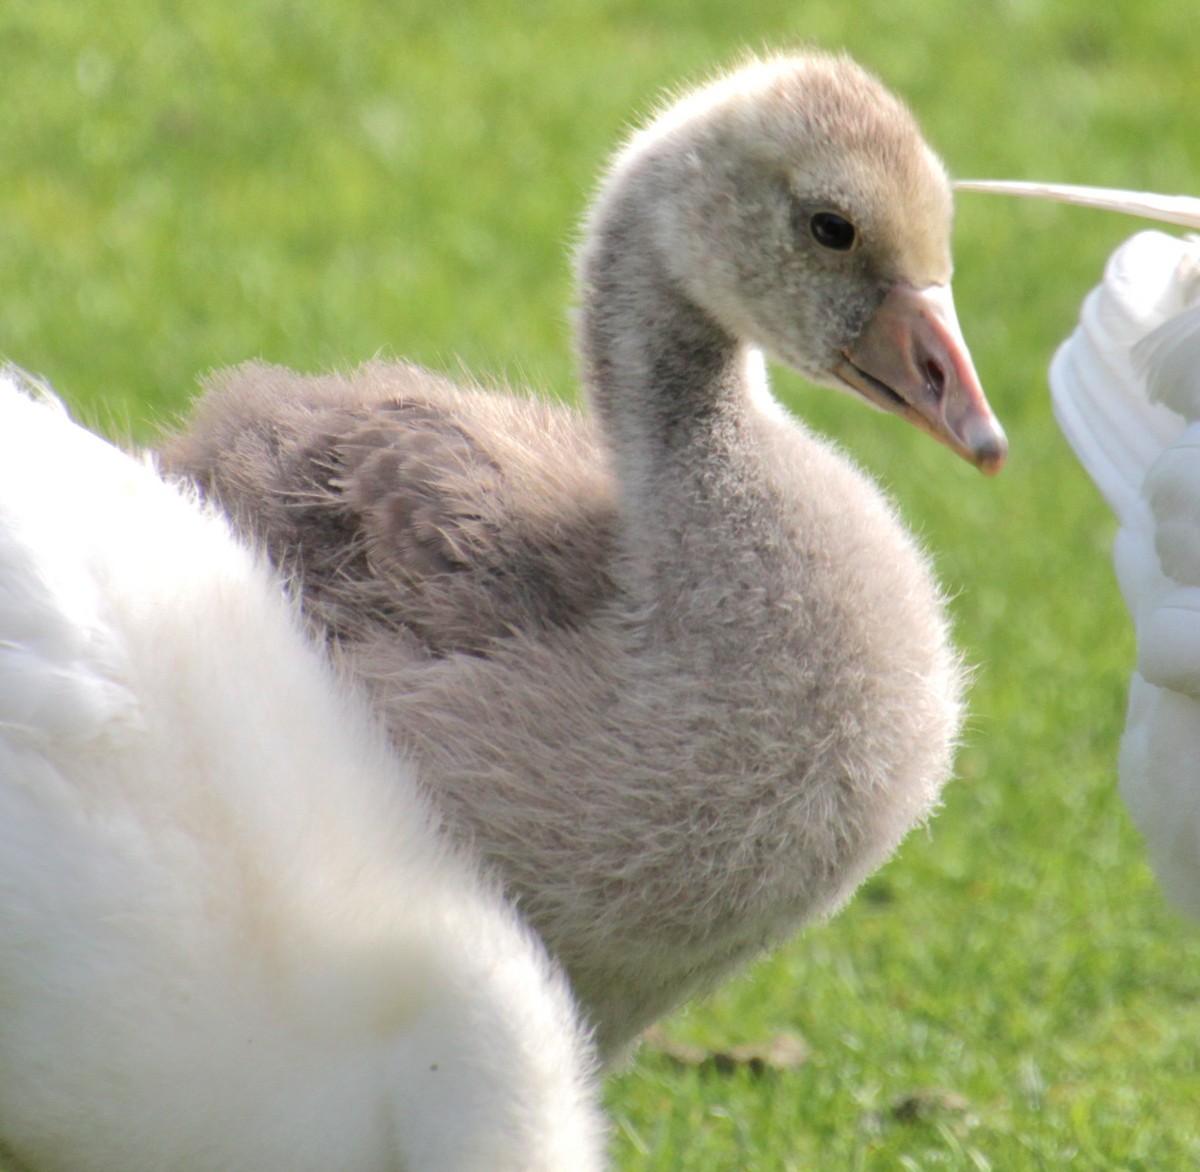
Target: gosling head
796,203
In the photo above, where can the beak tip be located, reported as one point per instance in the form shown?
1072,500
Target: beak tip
992,462
989,453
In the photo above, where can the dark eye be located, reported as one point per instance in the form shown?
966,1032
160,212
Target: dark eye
830,230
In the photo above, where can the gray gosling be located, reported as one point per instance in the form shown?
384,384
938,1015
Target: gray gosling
672,667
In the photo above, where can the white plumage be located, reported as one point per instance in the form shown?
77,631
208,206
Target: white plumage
1126,392
230,934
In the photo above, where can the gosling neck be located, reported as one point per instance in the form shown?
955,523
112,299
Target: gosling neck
665,381
696,497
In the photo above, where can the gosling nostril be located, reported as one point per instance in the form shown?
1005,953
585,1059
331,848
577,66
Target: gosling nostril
935,377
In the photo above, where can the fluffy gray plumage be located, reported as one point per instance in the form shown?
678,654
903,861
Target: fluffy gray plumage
673,667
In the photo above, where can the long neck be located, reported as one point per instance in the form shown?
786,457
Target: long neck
671,390
655,365
664,379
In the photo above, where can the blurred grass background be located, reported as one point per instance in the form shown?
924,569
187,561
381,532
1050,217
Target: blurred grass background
186,186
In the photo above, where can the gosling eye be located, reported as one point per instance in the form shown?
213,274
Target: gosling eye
832,231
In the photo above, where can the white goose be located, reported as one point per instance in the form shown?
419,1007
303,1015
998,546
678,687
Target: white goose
1126,392
231,937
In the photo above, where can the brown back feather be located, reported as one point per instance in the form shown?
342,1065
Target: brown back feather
394,504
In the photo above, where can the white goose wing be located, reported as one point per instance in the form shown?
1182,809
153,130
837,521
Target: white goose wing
1126,393
230,933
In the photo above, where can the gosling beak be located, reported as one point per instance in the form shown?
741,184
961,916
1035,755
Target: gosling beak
911,360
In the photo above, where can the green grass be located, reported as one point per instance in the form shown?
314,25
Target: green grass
186,186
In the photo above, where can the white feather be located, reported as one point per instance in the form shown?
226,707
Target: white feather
1181,210
230,934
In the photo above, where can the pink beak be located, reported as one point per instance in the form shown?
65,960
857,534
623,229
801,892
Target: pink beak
911,360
